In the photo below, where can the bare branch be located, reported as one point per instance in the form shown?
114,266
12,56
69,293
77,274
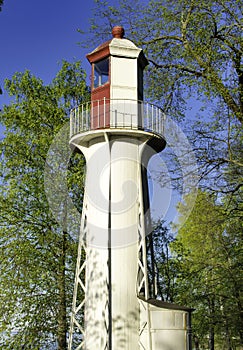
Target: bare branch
161,38
177,66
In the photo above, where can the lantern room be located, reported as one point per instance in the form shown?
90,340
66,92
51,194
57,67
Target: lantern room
117,83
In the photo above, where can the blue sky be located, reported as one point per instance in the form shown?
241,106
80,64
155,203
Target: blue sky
37,35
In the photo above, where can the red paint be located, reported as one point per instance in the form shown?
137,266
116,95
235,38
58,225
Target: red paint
100,98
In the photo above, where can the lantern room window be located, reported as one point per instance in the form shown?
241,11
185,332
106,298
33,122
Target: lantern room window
101,72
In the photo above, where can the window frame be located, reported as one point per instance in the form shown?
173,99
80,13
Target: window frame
101,75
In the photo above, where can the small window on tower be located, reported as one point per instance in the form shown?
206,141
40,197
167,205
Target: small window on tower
101,72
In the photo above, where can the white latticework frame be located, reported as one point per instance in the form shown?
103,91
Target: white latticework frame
76,339
142,280
77,315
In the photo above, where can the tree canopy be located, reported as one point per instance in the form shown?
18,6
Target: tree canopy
37,252
209,257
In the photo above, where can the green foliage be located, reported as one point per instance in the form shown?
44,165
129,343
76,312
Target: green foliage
193,47
209,278
69,82
37,253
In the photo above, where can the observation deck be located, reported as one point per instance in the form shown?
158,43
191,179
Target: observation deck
117,114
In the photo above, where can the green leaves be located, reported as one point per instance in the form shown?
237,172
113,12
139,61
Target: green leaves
210,270
70,84
37,253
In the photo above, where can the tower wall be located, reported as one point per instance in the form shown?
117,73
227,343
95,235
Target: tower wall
113,190
124,86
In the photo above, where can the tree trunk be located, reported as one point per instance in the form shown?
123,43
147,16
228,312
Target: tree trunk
227,332
211,338
62,316
196,342
239,304
212,325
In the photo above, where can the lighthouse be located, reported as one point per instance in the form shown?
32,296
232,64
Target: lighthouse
114,304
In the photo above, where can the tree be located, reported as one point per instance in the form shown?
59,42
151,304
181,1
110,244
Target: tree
37,252
207,248
1,4
161,267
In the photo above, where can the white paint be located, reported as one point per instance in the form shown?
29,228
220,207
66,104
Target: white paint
124,82
115,164
124,48
168,328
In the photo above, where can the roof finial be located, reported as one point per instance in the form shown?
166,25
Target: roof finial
118,32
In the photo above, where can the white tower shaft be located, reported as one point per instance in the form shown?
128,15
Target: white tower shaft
113,215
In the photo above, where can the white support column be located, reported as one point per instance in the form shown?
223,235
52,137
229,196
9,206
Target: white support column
124,216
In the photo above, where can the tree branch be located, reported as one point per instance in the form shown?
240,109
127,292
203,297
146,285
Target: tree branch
177,66
161,38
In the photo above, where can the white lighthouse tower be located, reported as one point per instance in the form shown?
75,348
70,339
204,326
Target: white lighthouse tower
117,132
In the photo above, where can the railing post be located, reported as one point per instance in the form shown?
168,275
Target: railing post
87,116
147,122
98,113
152,117
131,113
160,124
71,123
123,119
141,116
80,111
157,120
115,118
164,118
91,115
104,112
75,119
